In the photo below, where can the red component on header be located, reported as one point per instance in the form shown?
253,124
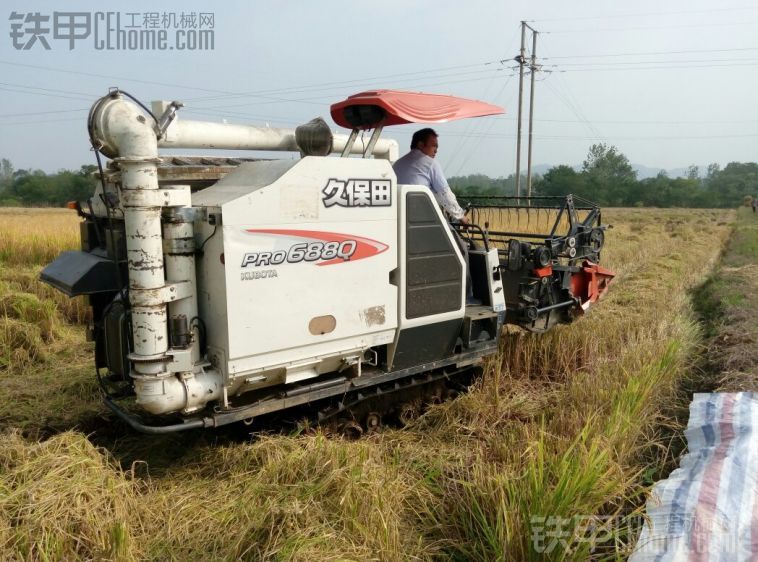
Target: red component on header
590,283
544,271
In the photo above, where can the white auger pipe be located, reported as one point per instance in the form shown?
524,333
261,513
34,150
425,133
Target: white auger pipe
123,131
164,378
228,136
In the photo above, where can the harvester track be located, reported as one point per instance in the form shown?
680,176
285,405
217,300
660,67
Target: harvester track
366,409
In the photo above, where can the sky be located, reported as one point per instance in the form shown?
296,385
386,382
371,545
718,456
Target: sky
670,83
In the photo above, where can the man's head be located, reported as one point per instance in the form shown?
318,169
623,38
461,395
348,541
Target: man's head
426,141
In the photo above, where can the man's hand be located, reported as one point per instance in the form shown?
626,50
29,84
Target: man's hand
464,221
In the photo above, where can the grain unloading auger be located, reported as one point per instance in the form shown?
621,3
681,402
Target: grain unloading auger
224,289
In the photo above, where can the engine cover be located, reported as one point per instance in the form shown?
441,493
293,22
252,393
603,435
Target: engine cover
294,276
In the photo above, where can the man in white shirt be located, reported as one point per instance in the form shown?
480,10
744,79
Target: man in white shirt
419,167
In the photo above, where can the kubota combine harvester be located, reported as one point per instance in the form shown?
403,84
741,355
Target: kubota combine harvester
224,289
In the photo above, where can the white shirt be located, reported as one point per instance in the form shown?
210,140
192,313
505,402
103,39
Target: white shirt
416,168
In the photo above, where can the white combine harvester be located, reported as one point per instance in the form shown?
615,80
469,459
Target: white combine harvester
226,289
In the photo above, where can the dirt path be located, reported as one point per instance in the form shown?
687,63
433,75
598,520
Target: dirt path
729,305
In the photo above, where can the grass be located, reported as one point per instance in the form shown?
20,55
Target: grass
563,435
727,301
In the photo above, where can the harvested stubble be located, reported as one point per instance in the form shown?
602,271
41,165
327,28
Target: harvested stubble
558,430
62,499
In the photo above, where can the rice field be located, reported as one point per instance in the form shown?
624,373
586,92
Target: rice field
548,457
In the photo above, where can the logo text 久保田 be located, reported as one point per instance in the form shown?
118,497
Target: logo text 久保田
357,193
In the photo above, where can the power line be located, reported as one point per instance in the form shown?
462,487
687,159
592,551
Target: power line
574,109
471,125
42,112
575,102
330,85
17,91
135,80
642,53
475,146
627,63
219,110
222,113
616,138
53,90
263,94
490,73
668,67
108,76
325,101
648,28
210,112
627,122
8,124
649,14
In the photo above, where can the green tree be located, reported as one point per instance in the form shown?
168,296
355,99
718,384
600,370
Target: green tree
34,187
481,185
562,180
693,172
609,175
730,185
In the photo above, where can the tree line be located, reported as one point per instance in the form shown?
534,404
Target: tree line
35,188
608,179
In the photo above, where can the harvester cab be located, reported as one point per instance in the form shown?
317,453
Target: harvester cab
224,289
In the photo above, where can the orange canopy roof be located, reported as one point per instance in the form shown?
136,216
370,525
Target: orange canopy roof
374,108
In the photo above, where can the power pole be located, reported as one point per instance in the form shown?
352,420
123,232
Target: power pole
533,67
521,59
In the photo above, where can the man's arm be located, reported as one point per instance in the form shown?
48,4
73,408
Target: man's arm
444,195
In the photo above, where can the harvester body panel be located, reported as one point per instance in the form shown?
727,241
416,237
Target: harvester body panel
306,267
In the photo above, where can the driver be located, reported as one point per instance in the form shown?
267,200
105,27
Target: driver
419,167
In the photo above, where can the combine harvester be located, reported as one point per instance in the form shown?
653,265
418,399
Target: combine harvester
224,289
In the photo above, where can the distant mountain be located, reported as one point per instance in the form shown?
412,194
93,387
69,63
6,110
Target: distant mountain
642,171
646,172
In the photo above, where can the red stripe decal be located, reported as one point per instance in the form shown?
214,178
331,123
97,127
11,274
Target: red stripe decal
365,247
